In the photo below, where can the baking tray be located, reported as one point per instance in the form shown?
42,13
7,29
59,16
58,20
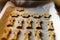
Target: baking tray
46,8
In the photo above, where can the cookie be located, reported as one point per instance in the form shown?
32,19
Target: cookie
14,14
20,24
10,21
20,9
46,15
6,34
35,15
51,35
25,15
29,23
7,31
9,24
16,33
38,35
38,24
27,35
50,25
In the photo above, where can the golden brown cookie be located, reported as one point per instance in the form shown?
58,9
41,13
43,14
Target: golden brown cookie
50,25
27,35
29,23
6,34
38,24
51,35
20,24
9,24
16,33
35,15
20,9
10,21
14,14
38,35
46,15
25,15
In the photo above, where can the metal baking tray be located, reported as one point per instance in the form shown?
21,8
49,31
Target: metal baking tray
45,8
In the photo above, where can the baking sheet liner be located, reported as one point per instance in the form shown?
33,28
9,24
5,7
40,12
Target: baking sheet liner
40,10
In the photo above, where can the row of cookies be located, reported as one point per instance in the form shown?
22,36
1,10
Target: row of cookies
27,34
27,15
8,32
16,33
11,20
29,22
38,35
